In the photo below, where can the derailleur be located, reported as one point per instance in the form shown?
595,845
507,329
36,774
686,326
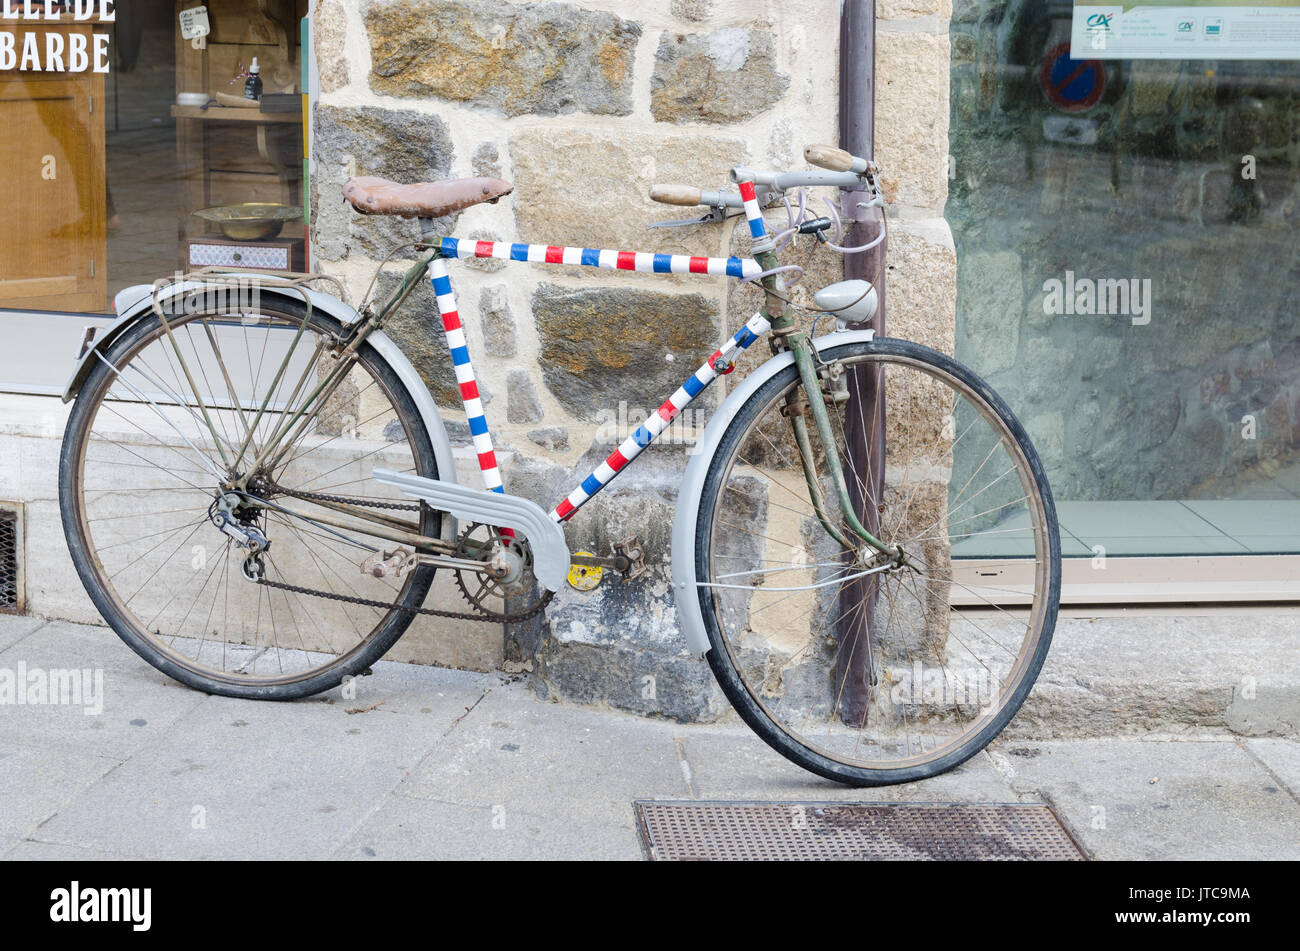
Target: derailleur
234,518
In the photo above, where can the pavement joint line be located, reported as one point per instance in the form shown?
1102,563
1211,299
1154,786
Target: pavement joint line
685,765
1241,742
1002,766
1046,799
45,622
379,802
1043,798
395,789
71,797
468,710
140,856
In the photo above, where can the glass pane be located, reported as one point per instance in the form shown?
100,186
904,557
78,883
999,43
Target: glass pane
1128,237
105,171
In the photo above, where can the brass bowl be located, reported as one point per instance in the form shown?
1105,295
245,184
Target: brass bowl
250,220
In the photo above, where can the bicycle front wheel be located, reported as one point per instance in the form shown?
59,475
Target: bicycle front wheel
871,668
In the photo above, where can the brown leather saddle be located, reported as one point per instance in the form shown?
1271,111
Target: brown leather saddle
379,196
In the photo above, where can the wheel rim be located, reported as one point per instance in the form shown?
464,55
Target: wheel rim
947,652
143,485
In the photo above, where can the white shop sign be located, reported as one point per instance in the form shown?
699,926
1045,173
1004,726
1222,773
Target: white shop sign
1165,29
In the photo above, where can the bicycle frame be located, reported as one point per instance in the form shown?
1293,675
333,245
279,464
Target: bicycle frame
773,318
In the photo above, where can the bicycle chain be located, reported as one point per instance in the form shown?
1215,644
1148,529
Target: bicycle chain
392,605
342,499
431,612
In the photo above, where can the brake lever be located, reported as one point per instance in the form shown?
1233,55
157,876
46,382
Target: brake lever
715,215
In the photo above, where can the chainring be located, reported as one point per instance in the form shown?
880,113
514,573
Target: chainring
490,594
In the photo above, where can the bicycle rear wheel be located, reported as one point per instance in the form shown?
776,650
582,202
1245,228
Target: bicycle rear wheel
140,473
867,669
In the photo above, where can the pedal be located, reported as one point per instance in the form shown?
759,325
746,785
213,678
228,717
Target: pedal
585,577
631,549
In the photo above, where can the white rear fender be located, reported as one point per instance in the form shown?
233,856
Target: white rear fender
135,303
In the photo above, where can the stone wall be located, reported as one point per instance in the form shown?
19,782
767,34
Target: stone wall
584,106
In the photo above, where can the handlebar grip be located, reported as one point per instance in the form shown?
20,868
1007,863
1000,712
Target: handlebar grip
837,160
675,194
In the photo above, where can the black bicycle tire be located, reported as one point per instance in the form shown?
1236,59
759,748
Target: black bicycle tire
719,659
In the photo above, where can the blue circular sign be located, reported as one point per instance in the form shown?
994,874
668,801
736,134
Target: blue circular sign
1072,85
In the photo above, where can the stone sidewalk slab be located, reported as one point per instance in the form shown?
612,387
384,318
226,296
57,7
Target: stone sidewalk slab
139,703
236,779
1152,799
515,751
436,763
404,827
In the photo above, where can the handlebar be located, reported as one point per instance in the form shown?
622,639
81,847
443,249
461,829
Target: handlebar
842,170
837,160
689,195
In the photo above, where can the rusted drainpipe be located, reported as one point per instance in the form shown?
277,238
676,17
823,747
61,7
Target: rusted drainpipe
866,385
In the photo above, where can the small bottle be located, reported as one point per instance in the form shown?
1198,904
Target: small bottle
253,85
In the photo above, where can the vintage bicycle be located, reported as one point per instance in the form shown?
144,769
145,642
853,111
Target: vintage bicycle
257,490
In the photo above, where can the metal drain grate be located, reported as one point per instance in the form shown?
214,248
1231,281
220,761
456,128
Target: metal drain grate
783,831
11,561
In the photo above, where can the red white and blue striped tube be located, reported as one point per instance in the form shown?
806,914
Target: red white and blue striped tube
659,420
478,427
646,261
757,228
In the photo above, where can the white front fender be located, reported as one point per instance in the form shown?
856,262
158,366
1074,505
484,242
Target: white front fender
685,592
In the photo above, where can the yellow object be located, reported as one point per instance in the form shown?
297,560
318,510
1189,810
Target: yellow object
585,577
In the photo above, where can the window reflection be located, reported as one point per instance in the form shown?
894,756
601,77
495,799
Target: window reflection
1127,247
105,173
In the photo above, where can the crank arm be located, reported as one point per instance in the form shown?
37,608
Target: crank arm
619,563
446,561
545,536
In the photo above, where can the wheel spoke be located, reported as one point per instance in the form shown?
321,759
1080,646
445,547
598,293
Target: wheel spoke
886,684
173,580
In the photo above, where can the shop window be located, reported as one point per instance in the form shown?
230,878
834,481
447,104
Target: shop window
158,162
1125,199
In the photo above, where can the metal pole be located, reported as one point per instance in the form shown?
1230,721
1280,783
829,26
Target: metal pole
864,413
